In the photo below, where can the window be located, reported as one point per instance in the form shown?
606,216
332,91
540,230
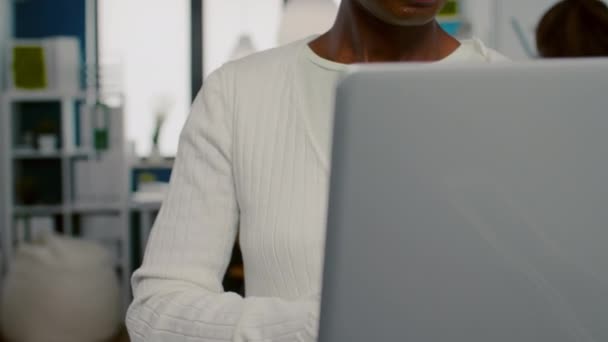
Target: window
144,52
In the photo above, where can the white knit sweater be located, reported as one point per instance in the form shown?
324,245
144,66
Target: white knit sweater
248,161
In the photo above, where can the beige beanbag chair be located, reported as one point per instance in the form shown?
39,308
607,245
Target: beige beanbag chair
60,290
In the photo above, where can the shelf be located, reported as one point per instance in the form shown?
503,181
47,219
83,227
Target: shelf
39,210
81,208
159,164
84,208
33,154
46,95
48,185
145,205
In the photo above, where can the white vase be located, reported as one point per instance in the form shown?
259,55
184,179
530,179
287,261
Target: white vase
243,48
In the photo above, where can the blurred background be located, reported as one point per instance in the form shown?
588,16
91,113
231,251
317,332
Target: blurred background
93,97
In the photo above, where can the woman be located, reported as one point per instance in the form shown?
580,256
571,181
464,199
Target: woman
254,158
574,28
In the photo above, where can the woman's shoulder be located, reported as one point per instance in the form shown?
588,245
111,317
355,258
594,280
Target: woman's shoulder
476,50
267,65
258,74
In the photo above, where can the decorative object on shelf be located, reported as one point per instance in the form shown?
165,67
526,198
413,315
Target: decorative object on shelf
47,143
244,47
303,18
45,64
45,128
61,289
450,9
155,155
101,127
144,174
163,107
29,69
26,143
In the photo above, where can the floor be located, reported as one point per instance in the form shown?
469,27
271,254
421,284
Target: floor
121,337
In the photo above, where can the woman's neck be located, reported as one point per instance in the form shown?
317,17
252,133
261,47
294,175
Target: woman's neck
359,37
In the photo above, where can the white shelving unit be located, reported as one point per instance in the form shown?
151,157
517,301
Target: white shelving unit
3,190
66,156
44,95
79,153
6,164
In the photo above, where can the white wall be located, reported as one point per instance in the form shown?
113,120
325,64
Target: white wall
225,20
478,14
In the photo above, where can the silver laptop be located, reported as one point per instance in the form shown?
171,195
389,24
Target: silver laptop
469,204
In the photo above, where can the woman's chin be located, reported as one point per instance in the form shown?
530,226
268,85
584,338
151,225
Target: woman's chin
403,12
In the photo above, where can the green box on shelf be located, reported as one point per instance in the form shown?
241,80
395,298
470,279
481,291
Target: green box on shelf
29,69
450,9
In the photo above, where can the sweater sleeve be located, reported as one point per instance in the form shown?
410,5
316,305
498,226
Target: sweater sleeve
178,293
